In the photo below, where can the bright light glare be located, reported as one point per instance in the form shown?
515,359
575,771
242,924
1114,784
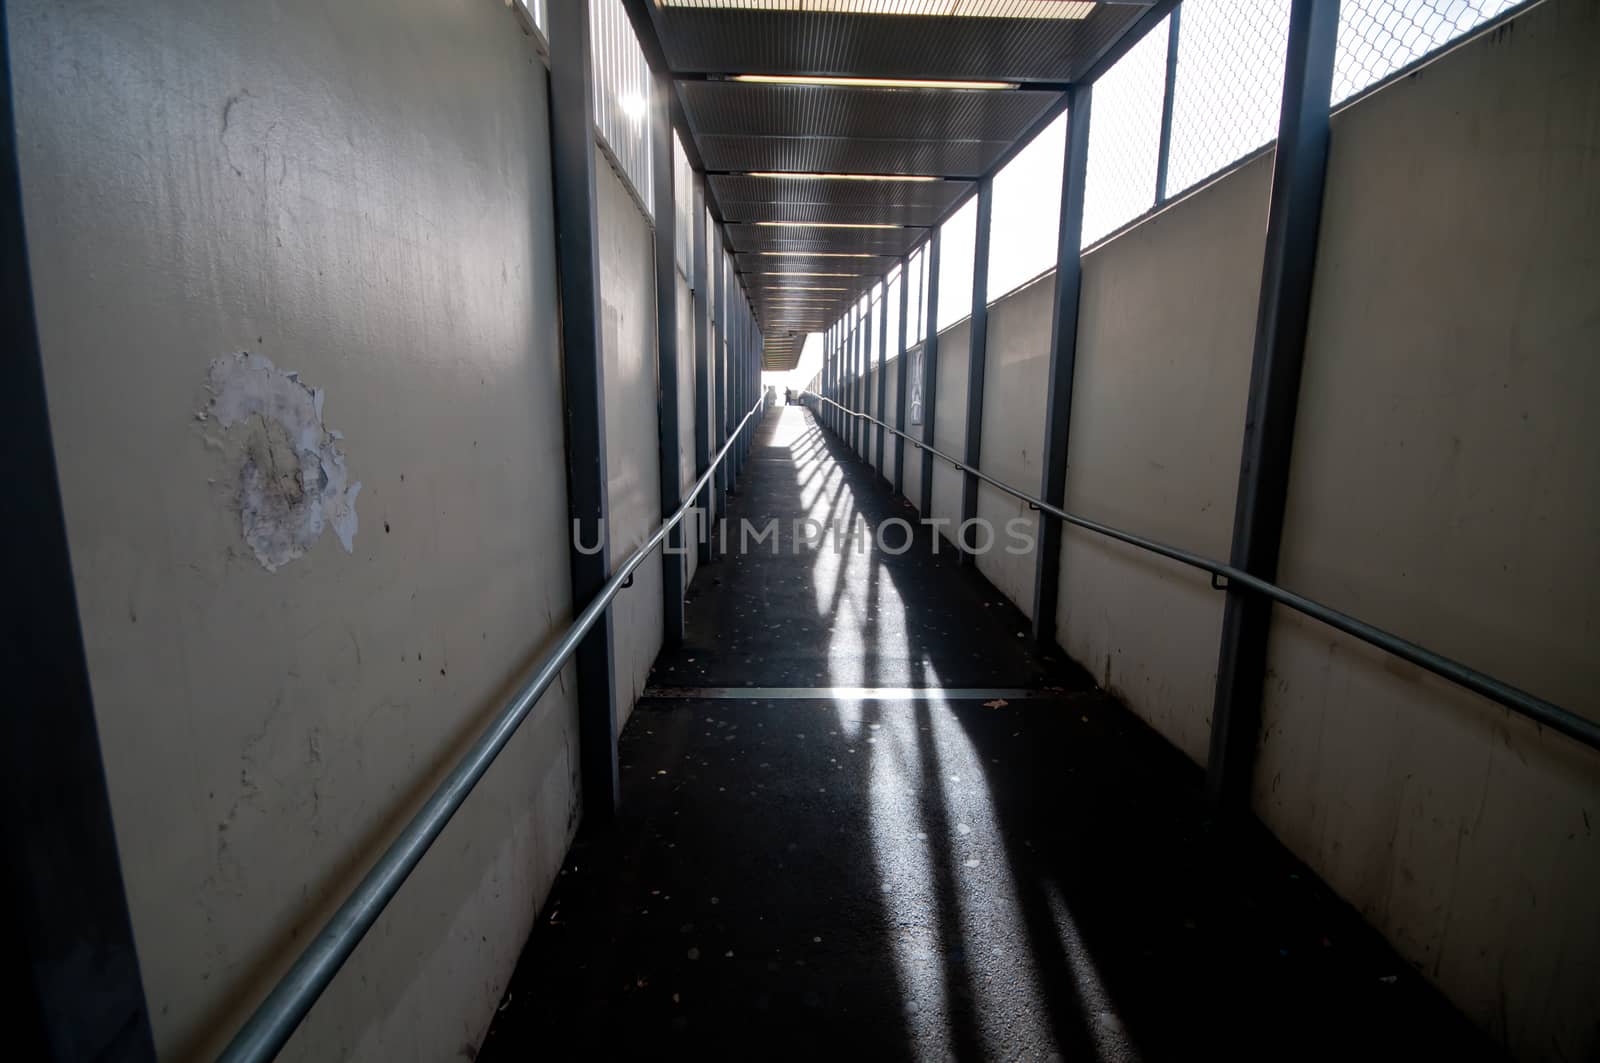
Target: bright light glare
825,225
871,83
841,176
1031,9
817,254
634,105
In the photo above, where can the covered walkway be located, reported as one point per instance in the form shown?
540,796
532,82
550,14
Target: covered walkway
960,870
1167,631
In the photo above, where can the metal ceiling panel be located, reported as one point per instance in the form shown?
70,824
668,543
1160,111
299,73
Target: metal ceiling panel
756,265
890,46
741,211
892,242
757,110
803,154
935,194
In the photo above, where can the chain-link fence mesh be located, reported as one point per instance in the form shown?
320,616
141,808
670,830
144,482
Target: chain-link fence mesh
1378,37
1125,137
1228,85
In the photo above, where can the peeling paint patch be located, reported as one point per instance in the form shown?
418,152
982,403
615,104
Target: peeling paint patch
292,478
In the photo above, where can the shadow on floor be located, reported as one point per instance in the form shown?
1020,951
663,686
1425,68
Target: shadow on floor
940,878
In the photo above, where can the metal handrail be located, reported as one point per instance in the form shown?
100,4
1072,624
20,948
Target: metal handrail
1517,700
277,1017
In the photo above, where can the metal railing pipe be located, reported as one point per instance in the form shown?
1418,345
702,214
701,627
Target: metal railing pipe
1535,708
277,1017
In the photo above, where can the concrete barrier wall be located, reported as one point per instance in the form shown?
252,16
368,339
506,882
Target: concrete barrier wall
360,193
686,453
950,425
1166,321
912,485
633,449
891,442
1446,463
1014,393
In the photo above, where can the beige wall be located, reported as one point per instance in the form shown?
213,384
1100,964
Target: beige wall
359,192
912,485
1166,321
950,425
1446,464
891,406
686,452
1016,371
633,448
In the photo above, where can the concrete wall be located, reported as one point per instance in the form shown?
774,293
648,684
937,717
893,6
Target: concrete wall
1014,392
950,424
912,485
359,192
686,453
633,446
1166,321
1446,463
1443,477
891,442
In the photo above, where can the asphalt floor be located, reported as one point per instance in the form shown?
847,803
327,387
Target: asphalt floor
863,817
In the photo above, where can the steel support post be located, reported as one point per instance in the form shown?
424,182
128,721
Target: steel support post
930,374
977,359
883,371
577,243
1293,216
900,378
702,371
1063,362
667,355
1164,147
719,376
865,403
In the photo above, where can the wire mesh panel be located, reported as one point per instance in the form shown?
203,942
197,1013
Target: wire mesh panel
892,318
683,209
1378,37
621,94
1229,85
1026,218
917,304
1125,137
958,239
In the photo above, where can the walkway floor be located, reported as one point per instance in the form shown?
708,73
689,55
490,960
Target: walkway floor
972,877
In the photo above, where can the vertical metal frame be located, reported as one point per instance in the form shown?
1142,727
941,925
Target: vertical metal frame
666,206
852,338
883,371
69,949
930,372
977,359
827,371
735,381
865,405
1164,149
577,256
1293,217
702,369
719,375
857,331
1063,362
900,379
